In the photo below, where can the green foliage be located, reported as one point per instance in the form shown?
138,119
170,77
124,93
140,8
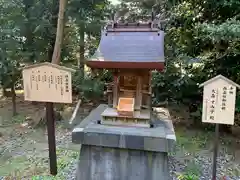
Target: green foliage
66,158
238,103
202,40
27,29
10,44
88,87
227,31
173,85
192,141
187,177
87,18
192,172
18,119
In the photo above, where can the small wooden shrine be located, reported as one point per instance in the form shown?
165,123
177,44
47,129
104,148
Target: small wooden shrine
131,51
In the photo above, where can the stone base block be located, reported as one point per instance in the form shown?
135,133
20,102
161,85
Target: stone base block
123,153
103,163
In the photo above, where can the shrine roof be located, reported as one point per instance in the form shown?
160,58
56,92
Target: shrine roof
134,46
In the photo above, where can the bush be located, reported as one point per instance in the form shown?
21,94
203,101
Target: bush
87,87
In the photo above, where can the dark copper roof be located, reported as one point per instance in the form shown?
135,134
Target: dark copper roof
130,46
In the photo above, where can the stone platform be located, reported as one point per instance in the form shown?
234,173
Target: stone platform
123,153
141,118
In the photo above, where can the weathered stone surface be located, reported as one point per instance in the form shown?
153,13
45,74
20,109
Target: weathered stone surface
161,138
101,163
123,153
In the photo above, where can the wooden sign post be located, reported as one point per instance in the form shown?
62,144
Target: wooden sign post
50,83
219,97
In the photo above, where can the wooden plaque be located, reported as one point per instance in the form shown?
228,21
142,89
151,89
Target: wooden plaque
219,101
47,82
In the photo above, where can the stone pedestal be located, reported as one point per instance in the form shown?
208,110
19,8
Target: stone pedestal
123,153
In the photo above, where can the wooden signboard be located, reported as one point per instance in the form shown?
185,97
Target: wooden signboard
47,82
219,96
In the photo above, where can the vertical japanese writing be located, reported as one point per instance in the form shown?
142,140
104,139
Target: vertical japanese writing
32,79
224,98
61,90
58,79
61,80
231,90
56,82
45,77
212,104
49,85
66,83
36,81
39,76
51,78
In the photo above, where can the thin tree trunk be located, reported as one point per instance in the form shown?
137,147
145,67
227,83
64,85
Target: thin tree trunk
50,117
55,10
82,49
59,35
54,21
28,45
4,91
14,106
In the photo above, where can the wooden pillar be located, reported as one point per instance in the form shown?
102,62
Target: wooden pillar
140,82
110,94
150,90
139,93
51,137
115,89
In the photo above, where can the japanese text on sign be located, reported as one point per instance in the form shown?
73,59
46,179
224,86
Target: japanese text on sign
212,104
219,103
47,84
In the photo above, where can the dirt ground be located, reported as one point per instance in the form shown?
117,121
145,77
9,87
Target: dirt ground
24,150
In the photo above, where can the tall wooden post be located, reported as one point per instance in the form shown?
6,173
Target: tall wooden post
215,152
49,105
219,96
51,137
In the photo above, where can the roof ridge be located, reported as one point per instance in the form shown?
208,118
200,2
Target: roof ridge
132,27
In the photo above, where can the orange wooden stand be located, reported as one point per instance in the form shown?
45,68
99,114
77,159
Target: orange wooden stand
125,107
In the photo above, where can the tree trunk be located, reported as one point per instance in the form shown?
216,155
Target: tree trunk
57,14
52,36
28,45
82,49
4,91
50,118
14,106
4,87
59,35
